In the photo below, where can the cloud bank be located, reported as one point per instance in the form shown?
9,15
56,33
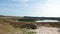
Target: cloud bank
44,8
52,8
22,1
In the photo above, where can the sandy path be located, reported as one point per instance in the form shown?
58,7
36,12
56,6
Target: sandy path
47,30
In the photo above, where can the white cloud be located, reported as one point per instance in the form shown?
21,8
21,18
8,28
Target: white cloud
37,9
7,10
22,1
52,8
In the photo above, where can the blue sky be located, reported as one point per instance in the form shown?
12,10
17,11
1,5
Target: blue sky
47,8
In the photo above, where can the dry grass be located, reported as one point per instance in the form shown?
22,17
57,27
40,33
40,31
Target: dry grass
7,26
49,24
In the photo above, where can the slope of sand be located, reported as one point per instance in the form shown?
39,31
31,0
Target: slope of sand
47,30
42,30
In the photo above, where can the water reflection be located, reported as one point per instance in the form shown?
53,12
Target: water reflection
47,21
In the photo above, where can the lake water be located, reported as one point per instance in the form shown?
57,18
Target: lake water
47,21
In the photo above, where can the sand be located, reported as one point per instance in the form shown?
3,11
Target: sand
47,30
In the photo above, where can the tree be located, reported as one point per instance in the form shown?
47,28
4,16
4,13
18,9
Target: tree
26,20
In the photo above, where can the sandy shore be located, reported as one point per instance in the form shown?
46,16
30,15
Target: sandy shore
47,30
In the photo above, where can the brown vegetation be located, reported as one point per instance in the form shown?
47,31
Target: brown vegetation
49,24
9,24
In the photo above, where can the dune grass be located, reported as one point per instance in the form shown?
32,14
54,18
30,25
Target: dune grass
6,28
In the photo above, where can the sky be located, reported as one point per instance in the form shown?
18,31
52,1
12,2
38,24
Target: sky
41,8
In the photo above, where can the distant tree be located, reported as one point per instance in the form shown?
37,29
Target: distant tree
2,16
26,20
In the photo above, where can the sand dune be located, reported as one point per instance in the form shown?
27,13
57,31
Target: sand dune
47,30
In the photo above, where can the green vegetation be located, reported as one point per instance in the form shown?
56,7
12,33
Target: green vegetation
7,25
26,20
31,32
